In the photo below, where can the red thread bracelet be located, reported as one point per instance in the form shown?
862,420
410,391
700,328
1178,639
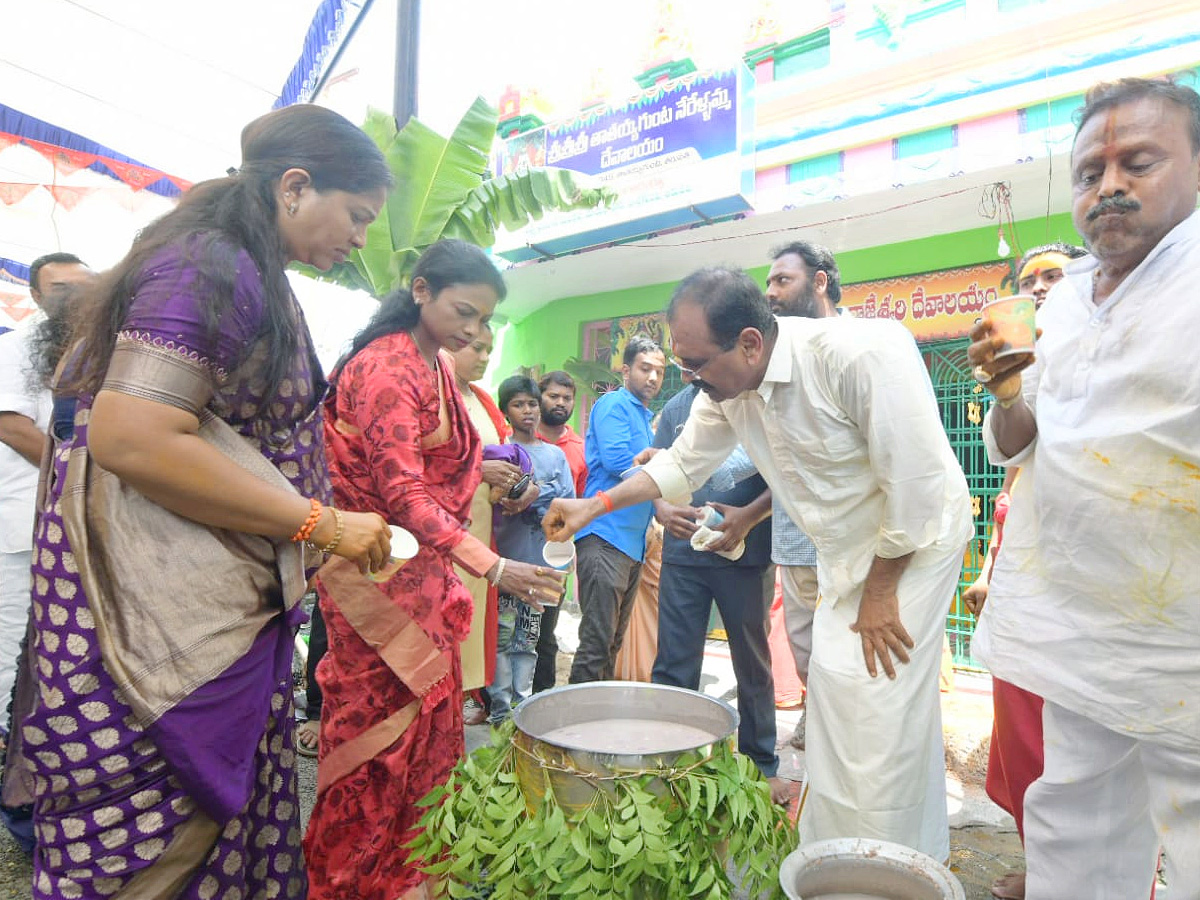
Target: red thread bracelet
603,497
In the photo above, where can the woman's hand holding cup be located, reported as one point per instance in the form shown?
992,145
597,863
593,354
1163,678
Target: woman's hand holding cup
366,540
535,585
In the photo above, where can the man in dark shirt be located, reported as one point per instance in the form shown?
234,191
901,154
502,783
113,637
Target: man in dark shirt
558,402
743,589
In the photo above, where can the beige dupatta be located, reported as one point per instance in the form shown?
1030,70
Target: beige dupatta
144,568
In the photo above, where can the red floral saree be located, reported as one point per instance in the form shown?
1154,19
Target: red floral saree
400,443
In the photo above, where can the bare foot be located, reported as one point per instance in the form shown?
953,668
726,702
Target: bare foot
1009,887
308,735
782,790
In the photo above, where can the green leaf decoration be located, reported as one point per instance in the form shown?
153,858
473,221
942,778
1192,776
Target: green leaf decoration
655,835
588,374
444,189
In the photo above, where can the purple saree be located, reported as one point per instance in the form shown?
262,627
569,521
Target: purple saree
160,738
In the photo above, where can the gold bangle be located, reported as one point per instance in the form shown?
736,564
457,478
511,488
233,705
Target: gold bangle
338,531
499,572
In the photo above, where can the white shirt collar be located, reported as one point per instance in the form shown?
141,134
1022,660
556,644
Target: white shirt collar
779,366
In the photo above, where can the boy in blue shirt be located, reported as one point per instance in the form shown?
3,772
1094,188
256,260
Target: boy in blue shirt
518,534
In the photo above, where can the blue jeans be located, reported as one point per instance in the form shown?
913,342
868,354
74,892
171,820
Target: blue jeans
516,657
743,594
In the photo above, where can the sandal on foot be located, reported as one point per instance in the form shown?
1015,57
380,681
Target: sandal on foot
308,736
797,738
474,712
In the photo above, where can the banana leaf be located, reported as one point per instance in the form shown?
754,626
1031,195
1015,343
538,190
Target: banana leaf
434,175
510,201
443,190
587,374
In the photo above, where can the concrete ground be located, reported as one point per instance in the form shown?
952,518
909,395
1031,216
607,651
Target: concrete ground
983,838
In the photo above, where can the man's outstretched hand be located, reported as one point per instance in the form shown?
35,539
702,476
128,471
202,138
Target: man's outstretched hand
565,517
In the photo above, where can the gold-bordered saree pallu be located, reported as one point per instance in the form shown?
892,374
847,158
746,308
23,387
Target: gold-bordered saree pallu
384,752
401,645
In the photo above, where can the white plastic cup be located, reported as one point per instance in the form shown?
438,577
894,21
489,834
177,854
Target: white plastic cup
404,548
560,554
708,519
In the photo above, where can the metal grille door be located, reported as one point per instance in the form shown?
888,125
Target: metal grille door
962,403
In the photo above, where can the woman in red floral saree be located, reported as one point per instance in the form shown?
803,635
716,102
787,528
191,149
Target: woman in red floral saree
400,443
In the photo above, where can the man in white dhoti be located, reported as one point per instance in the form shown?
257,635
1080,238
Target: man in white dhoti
840,419
1095,602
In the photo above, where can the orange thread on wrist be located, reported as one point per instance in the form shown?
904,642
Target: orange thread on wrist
603,497
305,531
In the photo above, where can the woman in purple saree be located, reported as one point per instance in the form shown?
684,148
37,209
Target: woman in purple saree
156,739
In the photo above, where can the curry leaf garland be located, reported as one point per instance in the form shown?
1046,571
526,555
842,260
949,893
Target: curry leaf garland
664,834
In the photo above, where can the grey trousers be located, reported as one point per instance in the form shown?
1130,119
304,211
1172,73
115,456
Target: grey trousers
608,583
799,605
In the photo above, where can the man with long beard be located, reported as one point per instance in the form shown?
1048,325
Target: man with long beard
804,281
558,403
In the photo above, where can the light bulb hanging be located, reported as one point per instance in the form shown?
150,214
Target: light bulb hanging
1002,248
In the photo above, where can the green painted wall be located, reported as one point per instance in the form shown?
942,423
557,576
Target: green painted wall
555,332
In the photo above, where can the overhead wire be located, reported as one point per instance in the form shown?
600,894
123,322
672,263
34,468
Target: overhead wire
174,49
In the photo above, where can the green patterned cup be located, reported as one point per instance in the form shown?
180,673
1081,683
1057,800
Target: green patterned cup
1014,321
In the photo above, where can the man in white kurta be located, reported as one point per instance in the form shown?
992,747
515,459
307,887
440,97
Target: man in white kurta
1095,598
25,411
840,419
26,403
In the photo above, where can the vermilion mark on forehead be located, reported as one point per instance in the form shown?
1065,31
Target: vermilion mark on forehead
1110,131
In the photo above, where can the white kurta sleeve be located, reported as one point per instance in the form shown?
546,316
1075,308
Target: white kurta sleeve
15,394
704,444
885,391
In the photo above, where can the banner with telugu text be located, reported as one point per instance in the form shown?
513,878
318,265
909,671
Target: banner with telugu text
679,153
933,306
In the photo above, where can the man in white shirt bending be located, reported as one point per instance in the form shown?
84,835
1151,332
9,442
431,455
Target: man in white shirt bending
840,419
